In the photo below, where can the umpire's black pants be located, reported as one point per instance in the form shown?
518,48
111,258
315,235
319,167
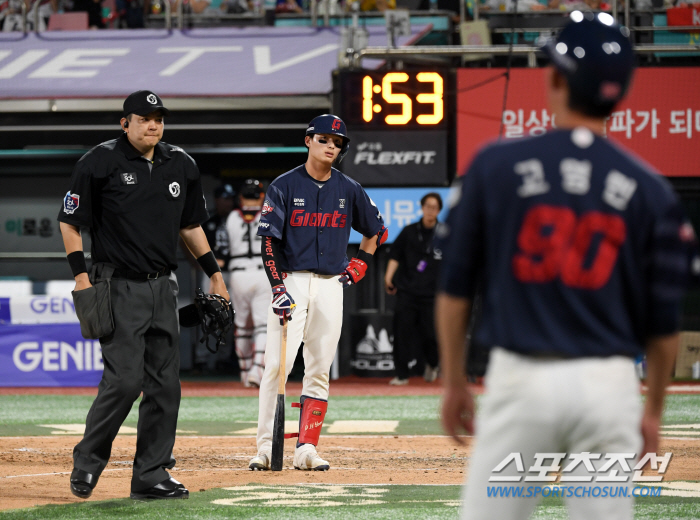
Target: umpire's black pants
142,354
414,332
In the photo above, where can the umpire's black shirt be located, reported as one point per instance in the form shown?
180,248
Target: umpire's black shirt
134,208
419,261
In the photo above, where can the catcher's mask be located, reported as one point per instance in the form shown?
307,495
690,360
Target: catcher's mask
213,312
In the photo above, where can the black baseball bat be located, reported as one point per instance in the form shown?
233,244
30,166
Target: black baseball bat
278,430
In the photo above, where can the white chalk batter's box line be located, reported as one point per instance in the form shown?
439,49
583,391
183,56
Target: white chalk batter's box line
674,488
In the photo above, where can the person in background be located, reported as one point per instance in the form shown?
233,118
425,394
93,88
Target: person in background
215,227
251,296
412,274
375,5
582,253
215,230
94,11
131,13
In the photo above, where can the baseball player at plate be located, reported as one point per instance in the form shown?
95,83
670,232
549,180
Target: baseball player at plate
584,252
305,226
250,289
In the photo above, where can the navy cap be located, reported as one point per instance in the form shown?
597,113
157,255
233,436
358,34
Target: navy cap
595,55
251,189
225,191
143,102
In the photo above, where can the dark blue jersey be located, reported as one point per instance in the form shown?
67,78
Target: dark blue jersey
313,219
583,250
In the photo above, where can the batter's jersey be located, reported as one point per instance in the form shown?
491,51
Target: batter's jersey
313,219
583,250
244,242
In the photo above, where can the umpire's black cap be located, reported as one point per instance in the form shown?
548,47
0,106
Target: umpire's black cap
143,102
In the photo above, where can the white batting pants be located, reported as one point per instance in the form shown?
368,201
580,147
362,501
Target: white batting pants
535,405
316,321
251,296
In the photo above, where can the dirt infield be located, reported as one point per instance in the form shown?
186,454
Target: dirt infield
35,470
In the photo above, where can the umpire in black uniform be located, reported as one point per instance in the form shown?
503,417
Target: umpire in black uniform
136,194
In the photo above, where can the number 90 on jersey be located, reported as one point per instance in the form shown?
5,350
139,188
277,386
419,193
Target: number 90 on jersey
393,99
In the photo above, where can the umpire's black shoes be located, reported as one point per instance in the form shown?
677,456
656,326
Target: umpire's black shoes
169,488
82,483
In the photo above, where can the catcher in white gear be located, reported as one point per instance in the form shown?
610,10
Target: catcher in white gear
248,282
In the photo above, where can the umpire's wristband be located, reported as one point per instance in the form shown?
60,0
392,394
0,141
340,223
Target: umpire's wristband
209,264
76,260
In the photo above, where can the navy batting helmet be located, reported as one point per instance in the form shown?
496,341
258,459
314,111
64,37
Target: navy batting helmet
594,54
225,191
251,189
330,124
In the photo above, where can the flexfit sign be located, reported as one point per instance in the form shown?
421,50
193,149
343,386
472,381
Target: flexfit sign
201,62
659,120
400,158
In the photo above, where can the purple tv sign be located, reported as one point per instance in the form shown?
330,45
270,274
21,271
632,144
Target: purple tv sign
41,344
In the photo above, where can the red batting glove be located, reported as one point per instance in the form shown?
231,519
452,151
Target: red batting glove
354,272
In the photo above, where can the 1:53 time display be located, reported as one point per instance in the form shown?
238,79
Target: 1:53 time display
414,99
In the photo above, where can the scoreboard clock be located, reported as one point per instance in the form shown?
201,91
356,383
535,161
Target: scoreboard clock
398,123
413,99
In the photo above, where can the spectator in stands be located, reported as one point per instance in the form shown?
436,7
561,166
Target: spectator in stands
11,14
289,6
46,9
575,5
94,11
375,5
217,7
239,6
131,13
509,5
441,5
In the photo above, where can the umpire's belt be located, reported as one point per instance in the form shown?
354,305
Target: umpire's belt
140,277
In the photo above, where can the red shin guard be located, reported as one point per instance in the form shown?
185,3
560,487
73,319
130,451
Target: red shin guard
313,411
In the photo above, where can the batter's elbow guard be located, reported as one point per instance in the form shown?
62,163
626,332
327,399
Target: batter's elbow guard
382,235
313,411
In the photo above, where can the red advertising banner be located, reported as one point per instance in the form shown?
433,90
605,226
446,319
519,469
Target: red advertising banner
659,120
680,16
